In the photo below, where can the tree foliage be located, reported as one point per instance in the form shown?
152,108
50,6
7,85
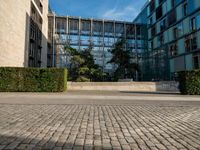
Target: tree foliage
122,59
82,66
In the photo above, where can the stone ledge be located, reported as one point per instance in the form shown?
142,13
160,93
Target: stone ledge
125,86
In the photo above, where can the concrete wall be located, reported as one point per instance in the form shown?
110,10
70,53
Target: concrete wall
124,86
14,32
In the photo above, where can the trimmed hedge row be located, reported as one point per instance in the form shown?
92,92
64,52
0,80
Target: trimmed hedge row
189,82
32,79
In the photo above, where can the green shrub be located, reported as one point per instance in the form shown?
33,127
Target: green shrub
32,80
189,82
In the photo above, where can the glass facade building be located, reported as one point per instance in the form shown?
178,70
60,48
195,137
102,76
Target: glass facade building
173,37
80,33
141,20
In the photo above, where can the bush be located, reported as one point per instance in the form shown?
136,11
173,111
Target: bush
189,82
32,80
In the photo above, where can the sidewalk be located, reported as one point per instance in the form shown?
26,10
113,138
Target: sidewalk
90,97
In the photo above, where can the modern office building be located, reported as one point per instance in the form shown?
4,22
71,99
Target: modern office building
143,54
80,33
173,37
23,33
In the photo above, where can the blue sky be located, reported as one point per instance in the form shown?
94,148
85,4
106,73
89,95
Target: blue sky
125,10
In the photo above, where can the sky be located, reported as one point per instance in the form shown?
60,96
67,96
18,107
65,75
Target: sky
124,10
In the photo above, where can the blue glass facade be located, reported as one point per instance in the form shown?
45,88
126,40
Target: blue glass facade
173,37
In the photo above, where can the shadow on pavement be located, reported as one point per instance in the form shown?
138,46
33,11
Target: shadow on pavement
22,143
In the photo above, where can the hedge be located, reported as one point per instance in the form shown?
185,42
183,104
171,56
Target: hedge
32,79
189,82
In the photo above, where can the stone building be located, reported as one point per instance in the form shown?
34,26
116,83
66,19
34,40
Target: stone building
23,32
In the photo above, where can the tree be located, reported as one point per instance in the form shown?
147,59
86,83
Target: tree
82,65
86,54
122,59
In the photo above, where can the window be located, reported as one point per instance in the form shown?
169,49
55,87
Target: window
163,25
159,12
160,39
73,26
175,33
152,46
196,61
31,51
185,9
60,25
85,26
191,43
35,38
151,21
152,5
194,43
173,49
178,31
198,21
193,24
187,45
153,31
138,30
172,17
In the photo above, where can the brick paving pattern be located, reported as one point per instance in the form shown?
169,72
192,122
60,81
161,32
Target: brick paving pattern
78,127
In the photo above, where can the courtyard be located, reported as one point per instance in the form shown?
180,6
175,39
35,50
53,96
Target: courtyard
99,120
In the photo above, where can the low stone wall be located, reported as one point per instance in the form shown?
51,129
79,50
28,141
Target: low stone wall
125,86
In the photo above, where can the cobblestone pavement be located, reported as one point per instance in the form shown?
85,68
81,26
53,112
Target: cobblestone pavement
134,126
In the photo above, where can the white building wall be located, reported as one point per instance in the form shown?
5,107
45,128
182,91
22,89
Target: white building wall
14,32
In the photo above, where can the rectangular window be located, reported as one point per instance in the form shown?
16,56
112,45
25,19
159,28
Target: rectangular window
152,46
151,21
198,21
153,31
161,39
194,43
175,33
152,6
173,49
35,38
193,24
185,9
159,12
73,26
191,43
60,25
178,31
163,25
196,61
172,17
187,45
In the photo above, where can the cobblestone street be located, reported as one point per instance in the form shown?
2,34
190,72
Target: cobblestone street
73,126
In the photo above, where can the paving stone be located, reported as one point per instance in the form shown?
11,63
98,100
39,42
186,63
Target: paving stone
142,127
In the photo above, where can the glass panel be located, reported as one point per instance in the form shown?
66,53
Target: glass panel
198,21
